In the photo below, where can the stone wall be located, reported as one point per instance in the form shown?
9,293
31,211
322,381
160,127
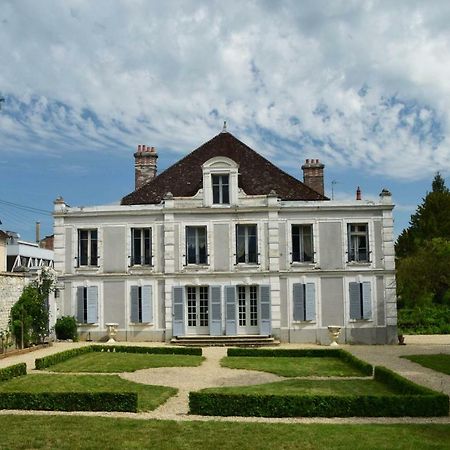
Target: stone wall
11,286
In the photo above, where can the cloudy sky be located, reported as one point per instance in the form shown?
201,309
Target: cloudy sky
362,85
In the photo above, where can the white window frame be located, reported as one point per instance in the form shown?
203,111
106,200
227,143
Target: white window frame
356,234
151,256
291,240
197,246
246,244
89,248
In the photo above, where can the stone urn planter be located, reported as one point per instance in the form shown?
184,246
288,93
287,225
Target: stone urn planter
335,331
112,332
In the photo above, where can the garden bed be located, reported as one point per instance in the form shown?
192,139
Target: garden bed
387,395
118,363
80,393
438,362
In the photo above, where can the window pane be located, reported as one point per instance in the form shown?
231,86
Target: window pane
93,247
307,243
83,247
240,244
136,255
216,195
225,190
147,246
201,245
295,243
190,245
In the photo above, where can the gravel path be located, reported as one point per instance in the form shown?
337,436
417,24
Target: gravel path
210,374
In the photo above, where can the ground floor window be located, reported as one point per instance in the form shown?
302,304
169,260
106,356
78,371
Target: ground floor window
197,306
248,305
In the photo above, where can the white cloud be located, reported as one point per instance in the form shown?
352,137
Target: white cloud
318,74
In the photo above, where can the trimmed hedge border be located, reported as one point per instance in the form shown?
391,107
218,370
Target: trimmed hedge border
414,401
17,370
70,401
51,360
353,361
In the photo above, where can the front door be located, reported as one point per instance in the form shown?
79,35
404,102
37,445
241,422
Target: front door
248,310
197,310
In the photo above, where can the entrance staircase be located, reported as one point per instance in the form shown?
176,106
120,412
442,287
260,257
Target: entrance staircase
225,341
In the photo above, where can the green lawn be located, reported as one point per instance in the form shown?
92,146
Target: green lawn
116,362
293,367
310,387
69,432
149,396
439,362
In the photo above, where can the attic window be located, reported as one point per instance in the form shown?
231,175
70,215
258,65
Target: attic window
221,189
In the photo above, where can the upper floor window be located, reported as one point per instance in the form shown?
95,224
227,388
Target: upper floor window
196,246
358,242
87,248
246,244
141,246
302,243
221,189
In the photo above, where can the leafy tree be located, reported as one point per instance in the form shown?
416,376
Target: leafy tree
423,251
29,316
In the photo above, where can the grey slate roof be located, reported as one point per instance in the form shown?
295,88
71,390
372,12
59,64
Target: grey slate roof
257,175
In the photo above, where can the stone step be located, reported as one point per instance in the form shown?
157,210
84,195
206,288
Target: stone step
225,341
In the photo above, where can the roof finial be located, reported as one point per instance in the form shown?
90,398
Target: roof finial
224,129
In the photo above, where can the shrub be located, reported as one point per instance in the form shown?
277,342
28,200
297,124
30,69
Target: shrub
13,371
353,361
431,319
70,401
66,328
47,361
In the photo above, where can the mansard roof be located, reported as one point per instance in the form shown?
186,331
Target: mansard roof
257,175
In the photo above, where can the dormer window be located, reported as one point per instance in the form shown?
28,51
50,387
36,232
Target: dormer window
221,189
220,182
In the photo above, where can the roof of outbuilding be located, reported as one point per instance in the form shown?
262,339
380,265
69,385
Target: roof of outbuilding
257,175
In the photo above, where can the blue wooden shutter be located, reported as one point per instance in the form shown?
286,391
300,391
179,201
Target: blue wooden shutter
215,311
230,301
367,300
355,301
298,298
134,297
310,299
265,308
147,304
80,304
92,304
178,311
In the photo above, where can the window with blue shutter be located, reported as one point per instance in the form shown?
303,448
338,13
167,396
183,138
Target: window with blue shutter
360,295
178,311
304,302
141,304
87,304
266,310
230,309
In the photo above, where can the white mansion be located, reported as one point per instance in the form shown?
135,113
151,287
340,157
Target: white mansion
225,243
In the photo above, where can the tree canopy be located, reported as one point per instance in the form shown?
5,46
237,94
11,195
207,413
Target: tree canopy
423,251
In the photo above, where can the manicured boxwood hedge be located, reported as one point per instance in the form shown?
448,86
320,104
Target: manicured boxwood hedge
413,400
353,361
70,401
13,371
47,361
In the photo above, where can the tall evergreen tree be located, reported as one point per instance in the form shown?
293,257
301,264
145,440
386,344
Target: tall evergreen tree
423,250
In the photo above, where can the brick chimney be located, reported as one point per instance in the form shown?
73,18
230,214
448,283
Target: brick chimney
313,175
144,165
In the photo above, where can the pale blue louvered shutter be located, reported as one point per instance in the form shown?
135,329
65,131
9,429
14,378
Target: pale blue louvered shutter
92,304
178,311
134,298
265,308
80,304
230,302
355,301
310,300
215,311
367,300
147,304
298,298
